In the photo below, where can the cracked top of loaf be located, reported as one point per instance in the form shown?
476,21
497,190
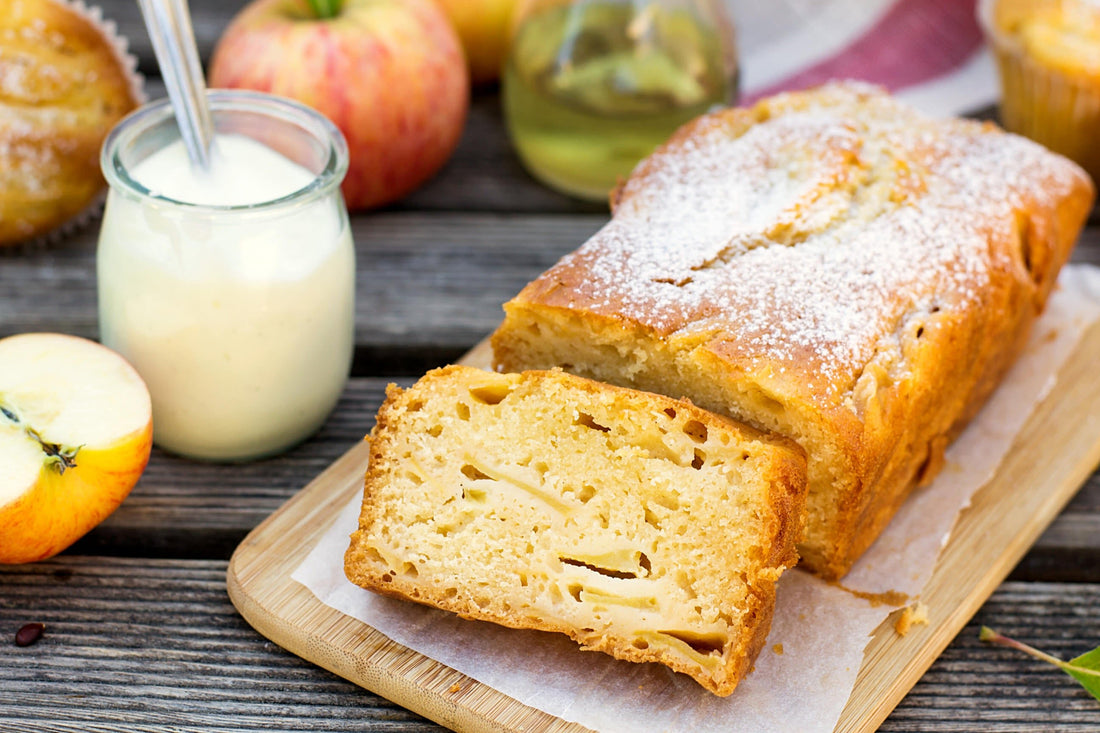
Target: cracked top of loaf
734,229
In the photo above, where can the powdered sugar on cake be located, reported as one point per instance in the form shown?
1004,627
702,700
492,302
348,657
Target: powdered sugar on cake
811,235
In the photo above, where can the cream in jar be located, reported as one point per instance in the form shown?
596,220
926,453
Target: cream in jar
230,290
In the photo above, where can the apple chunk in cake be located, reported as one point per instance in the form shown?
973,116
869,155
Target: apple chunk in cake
639,525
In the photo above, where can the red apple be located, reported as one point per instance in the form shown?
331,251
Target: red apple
389,73
76,430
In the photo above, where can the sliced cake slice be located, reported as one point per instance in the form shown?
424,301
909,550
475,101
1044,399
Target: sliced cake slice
641,526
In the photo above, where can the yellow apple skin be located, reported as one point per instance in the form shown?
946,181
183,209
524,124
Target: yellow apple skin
390,74
58,508
61,508
484,26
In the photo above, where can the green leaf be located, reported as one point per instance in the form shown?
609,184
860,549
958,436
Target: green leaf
1085,668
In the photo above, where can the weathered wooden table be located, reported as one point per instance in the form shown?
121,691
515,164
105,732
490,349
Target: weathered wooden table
140,634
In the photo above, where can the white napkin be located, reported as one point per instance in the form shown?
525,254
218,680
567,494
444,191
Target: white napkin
929,54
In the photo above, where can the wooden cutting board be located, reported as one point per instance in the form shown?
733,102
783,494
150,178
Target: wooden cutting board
1054,454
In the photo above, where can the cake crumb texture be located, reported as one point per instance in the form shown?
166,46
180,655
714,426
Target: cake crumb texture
641,526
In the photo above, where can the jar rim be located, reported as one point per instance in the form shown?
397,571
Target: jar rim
278,108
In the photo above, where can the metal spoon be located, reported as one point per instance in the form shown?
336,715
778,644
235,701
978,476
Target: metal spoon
169,25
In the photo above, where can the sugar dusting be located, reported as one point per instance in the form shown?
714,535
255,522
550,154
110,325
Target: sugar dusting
811,235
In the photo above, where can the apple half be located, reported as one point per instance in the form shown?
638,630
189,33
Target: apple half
76,430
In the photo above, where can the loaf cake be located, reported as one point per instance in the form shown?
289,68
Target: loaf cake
829,265
641,526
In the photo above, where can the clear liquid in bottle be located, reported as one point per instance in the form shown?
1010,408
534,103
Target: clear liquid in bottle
591,88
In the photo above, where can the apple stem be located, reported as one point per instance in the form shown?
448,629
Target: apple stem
990,636
58,456
326,8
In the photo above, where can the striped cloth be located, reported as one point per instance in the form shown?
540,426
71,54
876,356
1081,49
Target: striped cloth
930,53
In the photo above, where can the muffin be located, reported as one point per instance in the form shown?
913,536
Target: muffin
1048,53
65,80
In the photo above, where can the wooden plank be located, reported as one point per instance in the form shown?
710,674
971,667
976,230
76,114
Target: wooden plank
1067,551
444,273
1057,450
185,509
208,18
146,645
485,174
1054,453
427,285
976,687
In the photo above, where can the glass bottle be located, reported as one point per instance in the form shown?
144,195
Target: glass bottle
591,87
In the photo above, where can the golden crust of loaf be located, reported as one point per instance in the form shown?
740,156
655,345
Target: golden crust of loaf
62,88
641,526
830,265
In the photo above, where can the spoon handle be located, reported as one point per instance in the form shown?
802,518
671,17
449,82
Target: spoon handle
169,25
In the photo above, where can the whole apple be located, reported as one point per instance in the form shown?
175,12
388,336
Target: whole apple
76,431
389,73
485,28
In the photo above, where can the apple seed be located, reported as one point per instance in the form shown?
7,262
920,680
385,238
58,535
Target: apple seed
29,633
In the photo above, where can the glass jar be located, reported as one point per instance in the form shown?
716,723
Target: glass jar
232,290
591,87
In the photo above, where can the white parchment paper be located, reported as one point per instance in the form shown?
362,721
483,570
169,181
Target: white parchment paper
807,671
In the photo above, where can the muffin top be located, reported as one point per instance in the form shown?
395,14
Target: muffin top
1061,34
64,83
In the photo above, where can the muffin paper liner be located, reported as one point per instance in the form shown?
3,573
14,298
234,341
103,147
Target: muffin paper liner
1056,108
129,64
